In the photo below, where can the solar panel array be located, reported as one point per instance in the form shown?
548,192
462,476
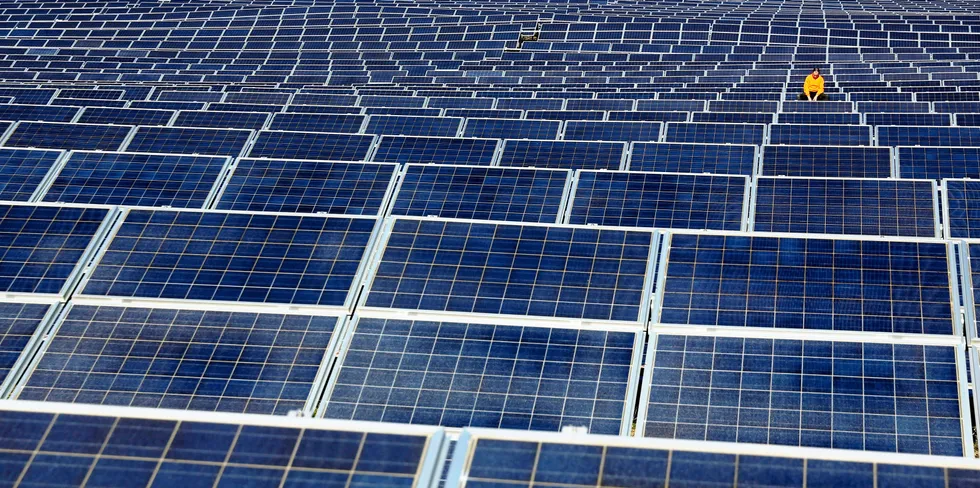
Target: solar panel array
515,222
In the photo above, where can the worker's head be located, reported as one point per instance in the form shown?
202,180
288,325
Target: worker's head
815,73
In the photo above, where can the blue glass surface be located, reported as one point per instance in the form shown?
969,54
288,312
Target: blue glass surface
732,117
398,125
136,179
511,129
842,395
278,185
499,376
439,150
894,135
963,207
825,118
907,119
693,158
705,133
820,135
44,113
661,200
21,171
221,120
181,140
49,135
581,130
827,161
470,192
182,359
125,116
937,163
512,269
336,123
838,206
563,154
237,257
808,283
311,145
18,322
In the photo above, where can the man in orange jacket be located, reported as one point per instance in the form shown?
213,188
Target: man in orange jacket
813,87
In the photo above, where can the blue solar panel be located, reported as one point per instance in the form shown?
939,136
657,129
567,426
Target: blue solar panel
808,283
670,105
439,150
563,154
524,270
649,116
511,129
818,118
50,135
817,135
125,116
182,359
580,130
894,107
44,113
279,185
894,135
962,205
693,158
167,105
661,200
221,120
530,103
907,119
710,133
41,246
180,140
938,162
398,125
465,374
846,206
732,117
21,171
336,123
45,447
827,161
484,114
311,145
749,106
18,324
824,107
477,192
136,179
842,395
237,257
973,250
407,112
564,115
482,460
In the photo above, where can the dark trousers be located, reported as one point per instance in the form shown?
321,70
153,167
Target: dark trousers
823,96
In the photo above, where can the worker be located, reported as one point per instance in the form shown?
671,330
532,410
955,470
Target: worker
813,87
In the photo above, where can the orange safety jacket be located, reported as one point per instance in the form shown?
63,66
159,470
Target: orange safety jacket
813,85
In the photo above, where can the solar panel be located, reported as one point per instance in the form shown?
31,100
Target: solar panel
894,135
749,106
819,118
563,154
671,105
961,202
530,104
816,393
311,145
407,112
125,116
484,457
581,130
397,125
180,140
732,117
564,115
808,283
113,446
827,161
487,375
938,162
337,123
41,246
817,135
661,200
847,206
279,185
907,119
23,170
43,113
439,150
650,116
221,120
693,158
479,192
234,257
136,179
484,114
19,323
182,359
51,135
167,105
712,133
825,106
528,270
511,129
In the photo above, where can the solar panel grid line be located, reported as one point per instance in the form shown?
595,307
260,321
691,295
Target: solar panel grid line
521,397
13,336
878,419
816,161
936,162
582,154
149,136
28,187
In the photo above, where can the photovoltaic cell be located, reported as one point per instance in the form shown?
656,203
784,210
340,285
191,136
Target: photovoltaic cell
843,395
894,135
311,145
21,171
500,376
846,206
74,449
136,179
907,119
661,200
693,158
278,185
820,135
536,270
41,246
49,135
808,283
43,113
821,118
479,192
563,154
237,257
650,116
706,133
963,208
398,125
580,130
125,116
221,120
439,150
336,123
827,161
182,359
181,140
937,163
511,129
732,117
18,323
